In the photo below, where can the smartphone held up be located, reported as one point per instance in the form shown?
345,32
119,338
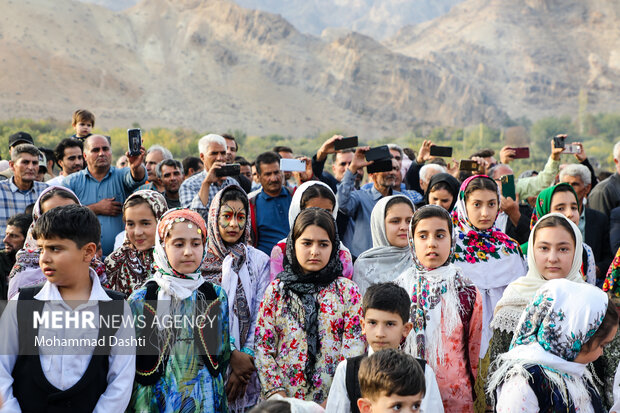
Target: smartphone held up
134,137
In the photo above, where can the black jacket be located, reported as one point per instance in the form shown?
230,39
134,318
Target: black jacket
521,232
597,237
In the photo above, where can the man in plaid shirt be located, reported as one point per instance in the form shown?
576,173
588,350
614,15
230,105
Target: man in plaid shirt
198,191
21,190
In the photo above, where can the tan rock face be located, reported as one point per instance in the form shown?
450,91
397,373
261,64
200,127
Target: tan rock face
212,66
530,57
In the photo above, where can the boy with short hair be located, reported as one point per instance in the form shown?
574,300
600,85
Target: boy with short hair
44,368
391,380
83,122
386,324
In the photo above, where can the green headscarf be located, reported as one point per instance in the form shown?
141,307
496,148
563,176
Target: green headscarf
543,206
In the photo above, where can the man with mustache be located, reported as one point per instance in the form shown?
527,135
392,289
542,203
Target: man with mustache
69,157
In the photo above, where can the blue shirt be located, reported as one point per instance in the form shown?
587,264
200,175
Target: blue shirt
14,201
357,204
272,219
117,184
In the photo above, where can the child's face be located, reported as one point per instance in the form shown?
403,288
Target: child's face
184,247
596,351
83,128
391,403
384,329
141,226
231,221
313,249
432,242
482,207
397,222
554,250
62,262
565,203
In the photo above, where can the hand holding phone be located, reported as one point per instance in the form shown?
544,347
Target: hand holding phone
232,169
521,153
134,137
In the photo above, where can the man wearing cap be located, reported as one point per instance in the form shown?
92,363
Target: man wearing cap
14,140
22,189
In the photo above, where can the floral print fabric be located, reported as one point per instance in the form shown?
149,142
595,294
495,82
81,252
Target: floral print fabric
281,343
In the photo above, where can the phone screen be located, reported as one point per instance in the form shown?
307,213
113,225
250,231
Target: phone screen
442,151
346,143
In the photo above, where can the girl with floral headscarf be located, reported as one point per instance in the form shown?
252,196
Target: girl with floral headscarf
180,367
128,266
310,317
554,252
26,271
545,369
487,256
243,272
446,311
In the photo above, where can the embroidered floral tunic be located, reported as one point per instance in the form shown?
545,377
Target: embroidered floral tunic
281,347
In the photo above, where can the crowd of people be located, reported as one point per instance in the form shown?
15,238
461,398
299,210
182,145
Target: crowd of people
424,287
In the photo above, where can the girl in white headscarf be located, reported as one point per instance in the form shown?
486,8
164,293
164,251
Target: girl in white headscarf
390,255
545,369
554,251
310,194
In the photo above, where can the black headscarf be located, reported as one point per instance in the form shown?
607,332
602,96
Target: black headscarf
451,182
305,286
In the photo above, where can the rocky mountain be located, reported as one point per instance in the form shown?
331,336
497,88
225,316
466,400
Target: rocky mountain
212,65
374,18
530,57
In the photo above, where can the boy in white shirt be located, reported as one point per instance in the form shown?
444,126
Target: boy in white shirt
57,360
386,324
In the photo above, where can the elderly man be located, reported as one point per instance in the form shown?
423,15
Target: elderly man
198,191
14,140
21,189
103,188
358,204
154,155
594,225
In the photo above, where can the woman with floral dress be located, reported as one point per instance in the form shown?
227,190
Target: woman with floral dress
310,317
